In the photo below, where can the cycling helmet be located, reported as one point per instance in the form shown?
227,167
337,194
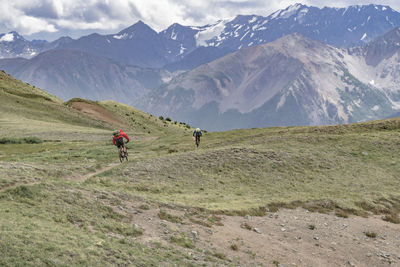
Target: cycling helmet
116,133
197,130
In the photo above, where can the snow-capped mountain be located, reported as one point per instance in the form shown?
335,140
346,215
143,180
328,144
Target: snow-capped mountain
291,81
182,47
13,45
341,27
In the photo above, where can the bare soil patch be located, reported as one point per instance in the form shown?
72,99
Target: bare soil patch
98,112
285,238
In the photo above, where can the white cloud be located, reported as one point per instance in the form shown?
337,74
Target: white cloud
39,16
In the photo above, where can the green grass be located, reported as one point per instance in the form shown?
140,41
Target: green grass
50,216
183,241
251,168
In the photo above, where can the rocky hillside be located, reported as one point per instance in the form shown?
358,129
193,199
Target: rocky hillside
291,81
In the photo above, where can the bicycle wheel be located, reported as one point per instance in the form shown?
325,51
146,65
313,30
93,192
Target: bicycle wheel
121,157
126,155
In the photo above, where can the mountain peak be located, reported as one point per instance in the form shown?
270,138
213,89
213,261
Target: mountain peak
139,26
288,12
10,37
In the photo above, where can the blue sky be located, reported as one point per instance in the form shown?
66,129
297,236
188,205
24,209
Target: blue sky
50,19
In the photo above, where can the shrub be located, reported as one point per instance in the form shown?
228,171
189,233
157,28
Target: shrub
161,118
22,192
183,241
32,140
342,213
220,255
393,218
370,234
25,140
163,215
168,119
234,247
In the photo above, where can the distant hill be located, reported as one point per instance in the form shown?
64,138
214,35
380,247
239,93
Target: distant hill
68,73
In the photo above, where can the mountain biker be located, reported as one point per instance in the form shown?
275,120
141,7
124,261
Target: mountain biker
118,139
196,135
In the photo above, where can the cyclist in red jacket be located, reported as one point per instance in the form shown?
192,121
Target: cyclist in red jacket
118,139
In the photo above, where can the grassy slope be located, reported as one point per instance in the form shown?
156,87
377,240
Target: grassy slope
244,169
53,217
48,216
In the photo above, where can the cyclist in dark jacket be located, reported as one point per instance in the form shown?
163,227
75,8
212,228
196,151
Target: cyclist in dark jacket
197,134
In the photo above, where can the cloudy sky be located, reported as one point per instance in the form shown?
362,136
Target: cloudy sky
50,19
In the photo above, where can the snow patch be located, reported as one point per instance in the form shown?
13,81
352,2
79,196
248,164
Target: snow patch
253,19
372,82
182,50
122,36
363,37
174,35
375,108
281,102
209,33
9,37
290,11
384,8
244,35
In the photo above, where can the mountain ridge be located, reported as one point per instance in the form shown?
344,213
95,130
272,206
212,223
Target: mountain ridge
325,87
351,26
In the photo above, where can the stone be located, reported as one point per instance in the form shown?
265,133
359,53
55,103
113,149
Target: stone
195,234
351,263
384,254
257,230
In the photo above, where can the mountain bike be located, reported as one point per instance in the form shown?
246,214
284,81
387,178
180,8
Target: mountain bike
197,141
122,154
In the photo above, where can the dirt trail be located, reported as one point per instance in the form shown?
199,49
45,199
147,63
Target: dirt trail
76,178
82,178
